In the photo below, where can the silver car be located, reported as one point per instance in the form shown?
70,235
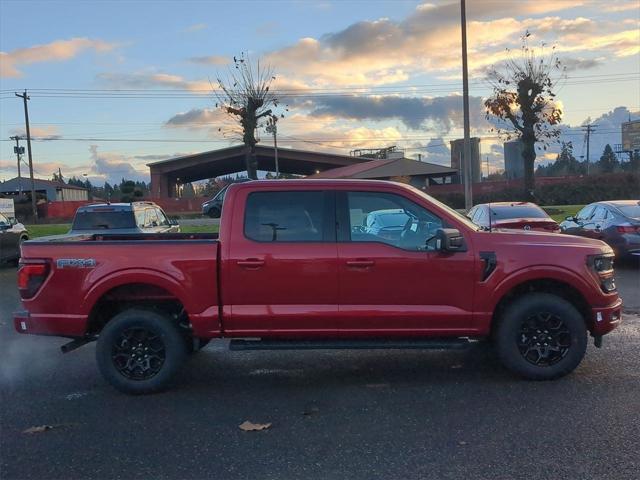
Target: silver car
122,218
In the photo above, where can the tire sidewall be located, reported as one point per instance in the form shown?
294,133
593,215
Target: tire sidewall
162,326
509,326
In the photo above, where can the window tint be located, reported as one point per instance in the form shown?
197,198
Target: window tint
100,219
390,219
285,216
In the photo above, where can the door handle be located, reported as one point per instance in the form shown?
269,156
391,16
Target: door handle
360,263
250,263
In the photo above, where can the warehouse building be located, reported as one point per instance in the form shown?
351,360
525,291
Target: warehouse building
53,191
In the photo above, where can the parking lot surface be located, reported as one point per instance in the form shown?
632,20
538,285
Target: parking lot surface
346,414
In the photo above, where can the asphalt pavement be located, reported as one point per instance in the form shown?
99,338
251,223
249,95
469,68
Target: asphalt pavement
334,415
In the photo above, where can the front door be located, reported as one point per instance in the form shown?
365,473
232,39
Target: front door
392,280
281,269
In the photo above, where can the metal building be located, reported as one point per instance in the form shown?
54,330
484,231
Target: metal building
53,191
513,162
457,154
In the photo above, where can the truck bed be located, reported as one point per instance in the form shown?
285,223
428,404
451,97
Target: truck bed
86,272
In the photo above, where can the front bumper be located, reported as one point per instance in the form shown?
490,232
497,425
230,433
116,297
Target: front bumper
605,319
56,325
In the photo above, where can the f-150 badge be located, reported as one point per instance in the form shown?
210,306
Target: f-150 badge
75,263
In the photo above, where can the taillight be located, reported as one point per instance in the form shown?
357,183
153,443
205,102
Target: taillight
31,275
627,229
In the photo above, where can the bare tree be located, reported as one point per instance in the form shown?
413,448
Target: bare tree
523,97
247,97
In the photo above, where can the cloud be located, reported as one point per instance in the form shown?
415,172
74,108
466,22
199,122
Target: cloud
59,50
211,60
48,132
386,51
196,27
620,7
113,167
153,80
197,118
572,64
439,113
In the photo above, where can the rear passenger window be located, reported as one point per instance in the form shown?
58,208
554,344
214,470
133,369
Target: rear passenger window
285,216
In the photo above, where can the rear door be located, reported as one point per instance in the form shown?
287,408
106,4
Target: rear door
399,286
280,275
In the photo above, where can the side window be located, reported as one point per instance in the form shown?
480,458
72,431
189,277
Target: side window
600,214
3,220
585,213
150,217
390,219
162,218
140,218
286,217
481,216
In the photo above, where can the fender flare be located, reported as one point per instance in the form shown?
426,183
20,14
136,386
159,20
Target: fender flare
129,276
540,272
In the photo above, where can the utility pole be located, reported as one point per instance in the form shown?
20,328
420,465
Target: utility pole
487,157
61,181
19,151
466,165
589,129
25,97
272,127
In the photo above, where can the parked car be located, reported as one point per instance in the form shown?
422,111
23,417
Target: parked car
213,208
290,270
513,215
122,218
386,224
12,234
616,222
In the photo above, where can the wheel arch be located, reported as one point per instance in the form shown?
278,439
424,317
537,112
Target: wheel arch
140,289
544,284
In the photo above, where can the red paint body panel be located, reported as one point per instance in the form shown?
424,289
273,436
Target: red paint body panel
237,287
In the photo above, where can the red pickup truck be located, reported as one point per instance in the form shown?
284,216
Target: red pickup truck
303,264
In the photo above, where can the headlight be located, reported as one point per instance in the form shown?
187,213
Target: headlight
602,265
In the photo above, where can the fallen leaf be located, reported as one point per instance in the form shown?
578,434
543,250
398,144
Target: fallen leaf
462,442
456,366
377,385
248,426
38,429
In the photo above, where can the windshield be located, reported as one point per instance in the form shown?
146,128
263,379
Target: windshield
391,219
97,220
631,211
517,211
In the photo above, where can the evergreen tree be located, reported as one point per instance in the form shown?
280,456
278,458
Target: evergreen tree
608,161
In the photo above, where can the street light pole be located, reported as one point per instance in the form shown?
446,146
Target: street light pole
466,165
272,128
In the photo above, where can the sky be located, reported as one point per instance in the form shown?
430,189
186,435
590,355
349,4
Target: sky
115,85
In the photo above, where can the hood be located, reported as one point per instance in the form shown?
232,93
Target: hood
538,240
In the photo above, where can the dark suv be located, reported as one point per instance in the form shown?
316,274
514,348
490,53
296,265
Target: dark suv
135,217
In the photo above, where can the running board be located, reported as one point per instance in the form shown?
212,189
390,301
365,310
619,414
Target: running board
432,343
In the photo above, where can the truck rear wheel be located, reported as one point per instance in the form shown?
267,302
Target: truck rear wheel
139,351
541,337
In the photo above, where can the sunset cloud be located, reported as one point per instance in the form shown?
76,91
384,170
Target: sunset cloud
57,51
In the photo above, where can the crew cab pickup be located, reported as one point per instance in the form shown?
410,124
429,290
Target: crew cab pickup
295,267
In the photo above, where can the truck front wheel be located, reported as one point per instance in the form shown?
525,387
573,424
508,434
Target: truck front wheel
139,351
540,336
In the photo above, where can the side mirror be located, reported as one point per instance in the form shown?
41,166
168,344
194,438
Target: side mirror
449,240
13,221
571,219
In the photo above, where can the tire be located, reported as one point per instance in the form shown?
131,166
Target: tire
124,342
523,346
